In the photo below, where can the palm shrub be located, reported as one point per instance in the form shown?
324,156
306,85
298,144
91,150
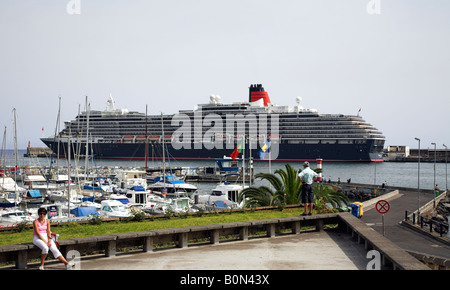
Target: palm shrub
285,188
326,194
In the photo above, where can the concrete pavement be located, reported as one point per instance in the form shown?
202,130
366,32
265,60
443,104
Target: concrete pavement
323,250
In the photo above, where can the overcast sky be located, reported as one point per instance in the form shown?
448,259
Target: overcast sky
173,54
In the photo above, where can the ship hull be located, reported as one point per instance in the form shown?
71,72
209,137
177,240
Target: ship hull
286,152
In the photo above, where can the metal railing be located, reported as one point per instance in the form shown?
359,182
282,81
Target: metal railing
426,223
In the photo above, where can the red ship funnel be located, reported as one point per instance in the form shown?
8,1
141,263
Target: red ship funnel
257,92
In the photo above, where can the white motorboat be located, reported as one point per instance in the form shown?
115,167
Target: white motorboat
172,186
224,195
9,185
96,186
131,177
61,195
120,197
14,216
38,182
180,205
135,196
9,199
113,208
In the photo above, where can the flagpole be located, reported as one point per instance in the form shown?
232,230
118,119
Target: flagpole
270,157
250,163
243,161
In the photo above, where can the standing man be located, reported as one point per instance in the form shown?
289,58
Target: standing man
307,176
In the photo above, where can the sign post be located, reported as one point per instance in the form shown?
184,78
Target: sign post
382,207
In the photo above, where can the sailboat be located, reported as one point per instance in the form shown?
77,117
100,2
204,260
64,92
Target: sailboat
170,185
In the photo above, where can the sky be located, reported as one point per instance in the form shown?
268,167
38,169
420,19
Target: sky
337,55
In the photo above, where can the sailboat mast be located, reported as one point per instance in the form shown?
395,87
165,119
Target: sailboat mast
86,165
163,150
58,129
146,140
68,170
15,152
3,154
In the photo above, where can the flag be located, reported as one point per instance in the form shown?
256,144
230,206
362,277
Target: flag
240,146
264,149
261,154
236,151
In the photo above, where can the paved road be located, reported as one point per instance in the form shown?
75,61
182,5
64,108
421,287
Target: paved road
405,238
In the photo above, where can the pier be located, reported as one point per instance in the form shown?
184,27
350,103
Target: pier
39,152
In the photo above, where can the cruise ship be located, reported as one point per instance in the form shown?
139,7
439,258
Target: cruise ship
214,130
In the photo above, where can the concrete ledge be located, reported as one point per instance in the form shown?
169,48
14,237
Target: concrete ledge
390,252
13,248
369,204
434,262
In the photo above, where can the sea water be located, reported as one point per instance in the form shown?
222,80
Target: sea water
402,174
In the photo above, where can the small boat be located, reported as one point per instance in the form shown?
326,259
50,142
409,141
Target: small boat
84,211
166,205
113,208
61,195
181,205
38,182
135,196
33,196
97,186
224,195
9,185
14,216
9,199
172,186
120,197
131,177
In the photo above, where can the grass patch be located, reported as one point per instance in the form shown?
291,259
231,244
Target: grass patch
75,230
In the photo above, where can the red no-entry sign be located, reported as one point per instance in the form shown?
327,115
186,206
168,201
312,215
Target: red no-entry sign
382,206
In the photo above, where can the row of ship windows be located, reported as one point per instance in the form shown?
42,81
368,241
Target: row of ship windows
283,122
247,120
327,135
140,131
300,142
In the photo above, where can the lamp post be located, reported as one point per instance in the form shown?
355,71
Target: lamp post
418,181
434,176
446,186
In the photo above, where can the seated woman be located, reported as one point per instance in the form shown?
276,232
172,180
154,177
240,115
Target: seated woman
42,238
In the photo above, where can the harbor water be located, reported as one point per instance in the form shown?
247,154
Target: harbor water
401,174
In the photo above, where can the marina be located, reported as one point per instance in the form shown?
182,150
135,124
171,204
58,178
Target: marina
126,181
